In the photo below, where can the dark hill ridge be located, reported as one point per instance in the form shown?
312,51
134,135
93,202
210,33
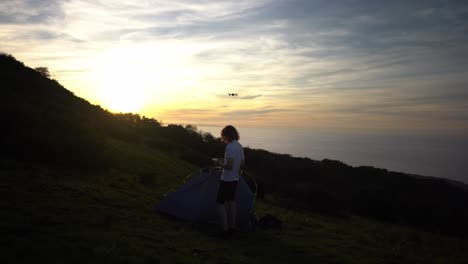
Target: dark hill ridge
47,124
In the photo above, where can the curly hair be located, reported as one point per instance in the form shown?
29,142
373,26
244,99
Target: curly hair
230,133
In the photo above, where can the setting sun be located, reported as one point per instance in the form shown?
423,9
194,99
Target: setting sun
123,82
128,78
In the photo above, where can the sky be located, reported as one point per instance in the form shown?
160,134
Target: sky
393,66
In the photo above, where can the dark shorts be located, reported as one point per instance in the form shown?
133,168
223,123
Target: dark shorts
226,191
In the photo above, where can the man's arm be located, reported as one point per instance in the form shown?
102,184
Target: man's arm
227,164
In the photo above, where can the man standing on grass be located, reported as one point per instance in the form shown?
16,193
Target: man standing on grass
233,160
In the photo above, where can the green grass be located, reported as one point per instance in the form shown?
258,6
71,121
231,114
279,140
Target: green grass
57,215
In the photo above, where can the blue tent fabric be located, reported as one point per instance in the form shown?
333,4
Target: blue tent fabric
195,200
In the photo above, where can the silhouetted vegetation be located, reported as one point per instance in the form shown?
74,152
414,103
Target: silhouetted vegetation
334,188
44,71
45,123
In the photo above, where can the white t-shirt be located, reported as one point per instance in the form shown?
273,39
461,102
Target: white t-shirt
234,151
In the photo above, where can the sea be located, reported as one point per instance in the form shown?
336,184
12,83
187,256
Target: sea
444,156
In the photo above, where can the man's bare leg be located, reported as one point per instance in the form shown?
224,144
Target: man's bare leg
223,218
232,208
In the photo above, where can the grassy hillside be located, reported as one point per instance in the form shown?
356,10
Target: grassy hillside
80,185
66,216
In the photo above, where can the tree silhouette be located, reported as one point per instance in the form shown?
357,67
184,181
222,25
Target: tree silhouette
44,71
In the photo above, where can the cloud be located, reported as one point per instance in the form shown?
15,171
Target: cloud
30,11
245,97
250,97
256,112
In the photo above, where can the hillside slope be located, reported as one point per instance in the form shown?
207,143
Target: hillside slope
80,184
53,215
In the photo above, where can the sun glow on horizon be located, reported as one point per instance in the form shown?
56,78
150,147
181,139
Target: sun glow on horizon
135,78
122,86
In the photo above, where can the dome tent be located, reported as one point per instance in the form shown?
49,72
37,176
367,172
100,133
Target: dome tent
195,200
